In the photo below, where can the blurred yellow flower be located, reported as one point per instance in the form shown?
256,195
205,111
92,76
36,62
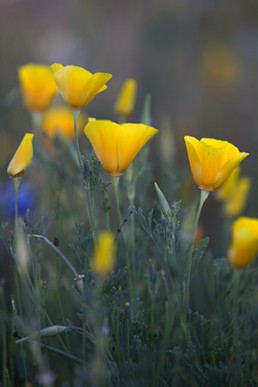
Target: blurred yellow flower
228,188
235,205
244,245
220,65
117,145
212,161
103,259
60,119
77,85
22,157
37,85
126,99
234,193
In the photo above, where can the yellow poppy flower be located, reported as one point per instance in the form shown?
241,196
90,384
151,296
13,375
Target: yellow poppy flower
212,161
235,204
117,145
244,246
126,99
77,85
37,85
60,119
228,188
103,259
22,157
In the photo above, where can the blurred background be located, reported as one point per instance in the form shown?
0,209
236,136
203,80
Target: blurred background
197,59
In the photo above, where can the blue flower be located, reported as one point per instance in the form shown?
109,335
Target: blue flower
26,198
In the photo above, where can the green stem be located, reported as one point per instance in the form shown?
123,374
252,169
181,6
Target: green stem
3,319
16,184
66,260
59,351
203,196
91,210
235,311
115,181
76,114
132,236
106,207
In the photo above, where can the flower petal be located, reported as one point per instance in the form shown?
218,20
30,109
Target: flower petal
103,136
213,156
236,202
22,157
38,86
73,83
132,138
244,245
96,85
126,99
227,169
192,147
228,187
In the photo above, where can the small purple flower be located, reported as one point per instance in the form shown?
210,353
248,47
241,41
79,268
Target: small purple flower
105,330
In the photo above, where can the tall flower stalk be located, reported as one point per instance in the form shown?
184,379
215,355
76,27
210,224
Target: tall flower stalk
211,161
76,114
17,166
203,197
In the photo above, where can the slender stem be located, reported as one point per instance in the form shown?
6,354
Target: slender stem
59,351
3,320
106,207
235,311
203,196
76,114
132,237
66,260
115,181
91,210
130,185
16,184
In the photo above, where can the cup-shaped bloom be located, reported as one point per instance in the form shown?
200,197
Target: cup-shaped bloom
59,119
117,145
212,161
22,157
126,99
78,86
244,245
37,85
103,259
